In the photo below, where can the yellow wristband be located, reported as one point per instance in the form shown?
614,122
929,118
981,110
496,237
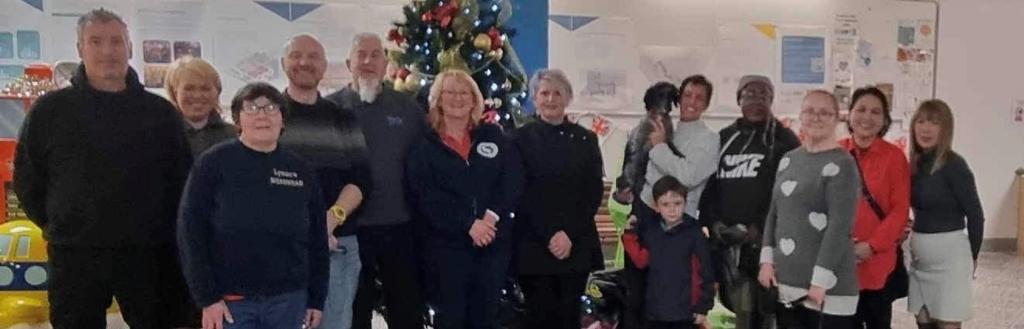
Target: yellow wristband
339,214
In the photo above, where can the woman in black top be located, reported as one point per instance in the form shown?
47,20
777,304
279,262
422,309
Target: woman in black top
464,179
193,86
943,193
557,242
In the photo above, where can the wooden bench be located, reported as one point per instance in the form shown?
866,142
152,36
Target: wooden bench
606,231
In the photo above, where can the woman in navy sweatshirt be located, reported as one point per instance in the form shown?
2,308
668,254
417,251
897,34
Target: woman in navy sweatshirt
252,229
464,178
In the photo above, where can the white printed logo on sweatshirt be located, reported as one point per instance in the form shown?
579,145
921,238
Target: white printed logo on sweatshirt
286,178
740,165
488,150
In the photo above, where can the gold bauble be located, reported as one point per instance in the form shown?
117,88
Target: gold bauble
482,42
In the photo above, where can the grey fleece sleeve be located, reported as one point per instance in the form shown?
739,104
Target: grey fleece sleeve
841,195
693,168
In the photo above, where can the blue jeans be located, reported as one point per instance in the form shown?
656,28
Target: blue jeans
282,311
341,290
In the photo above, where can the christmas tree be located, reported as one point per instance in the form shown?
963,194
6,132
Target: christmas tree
467,35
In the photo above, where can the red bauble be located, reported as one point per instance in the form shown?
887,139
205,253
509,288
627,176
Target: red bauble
396,36
427,17
496,42
402,73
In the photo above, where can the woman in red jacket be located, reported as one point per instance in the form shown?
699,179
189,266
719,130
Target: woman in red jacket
883,207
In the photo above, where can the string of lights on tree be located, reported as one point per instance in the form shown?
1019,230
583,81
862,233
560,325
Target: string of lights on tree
467,35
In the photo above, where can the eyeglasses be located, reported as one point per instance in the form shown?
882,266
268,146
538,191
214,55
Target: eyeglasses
819,114
454,94
270,108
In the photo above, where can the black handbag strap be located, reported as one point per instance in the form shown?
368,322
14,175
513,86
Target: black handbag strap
864,189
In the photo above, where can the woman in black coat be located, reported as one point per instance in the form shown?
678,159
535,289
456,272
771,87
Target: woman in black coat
557,241
464,178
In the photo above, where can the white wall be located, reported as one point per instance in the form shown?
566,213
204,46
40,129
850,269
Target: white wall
979,74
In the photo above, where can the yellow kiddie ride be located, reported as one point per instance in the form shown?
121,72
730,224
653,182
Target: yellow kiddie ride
23,275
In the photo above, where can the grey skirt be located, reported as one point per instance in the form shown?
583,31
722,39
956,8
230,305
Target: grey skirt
941,275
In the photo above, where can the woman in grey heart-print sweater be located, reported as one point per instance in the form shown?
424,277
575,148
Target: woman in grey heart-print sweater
807,250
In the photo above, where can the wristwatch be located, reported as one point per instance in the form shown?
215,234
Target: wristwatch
339,214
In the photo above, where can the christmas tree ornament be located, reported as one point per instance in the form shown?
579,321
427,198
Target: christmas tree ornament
412,82
451,59
496,54
402,73
396,36
482,42
495,35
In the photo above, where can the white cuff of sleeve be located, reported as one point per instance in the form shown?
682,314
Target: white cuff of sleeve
496,217
766,255
824,278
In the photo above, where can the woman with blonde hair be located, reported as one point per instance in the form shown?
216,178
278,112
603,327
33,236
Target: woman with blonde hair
942,195
193,86
464,178
807,251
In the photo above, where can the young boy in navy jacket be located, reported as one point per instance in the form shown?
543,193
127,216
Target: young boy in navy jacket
679,290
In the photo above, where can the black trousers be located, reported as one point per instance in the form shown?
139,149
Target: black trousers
671,325
874,310
145,281
634,278
553,301
800,317
390,254
465,285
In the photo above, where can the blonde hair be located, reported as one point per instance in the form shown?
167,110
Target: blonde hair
435,115
826,93
932,110
188,66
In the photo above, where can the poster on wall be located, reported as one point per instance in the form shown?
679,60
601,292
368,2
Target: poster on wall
743,48
667,63
604,56
844,49
915,59
803,57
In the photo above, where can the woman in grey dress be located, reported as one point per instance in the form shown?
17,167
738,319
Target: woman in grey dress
807,251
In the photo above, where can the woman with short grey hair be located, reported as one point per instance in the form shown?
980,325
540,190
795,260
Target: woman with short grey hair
557,242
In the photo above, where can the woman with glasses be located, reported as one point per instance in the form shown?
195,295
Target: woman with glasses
252,229
807,252
464,178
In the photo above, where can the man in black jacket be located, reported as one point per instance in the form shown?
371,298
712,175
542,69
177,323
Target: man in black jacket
100,167
735,201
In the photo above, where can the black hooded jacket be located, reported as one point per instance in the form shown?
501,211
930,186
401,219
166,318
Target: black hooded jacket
102,169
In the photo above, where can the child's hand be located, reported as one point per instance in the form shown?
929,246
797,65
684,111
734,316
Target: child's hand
623,196
631,223
699,319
